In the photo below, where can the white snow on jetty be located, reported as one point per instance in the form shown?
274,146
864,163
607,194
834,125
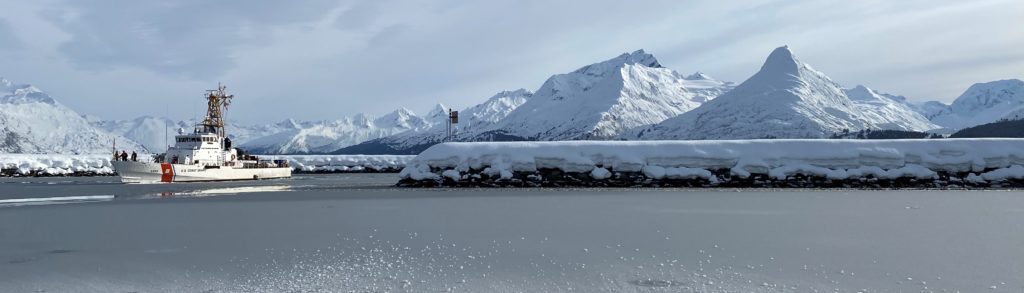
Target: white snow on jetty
55,165
345,163
779,158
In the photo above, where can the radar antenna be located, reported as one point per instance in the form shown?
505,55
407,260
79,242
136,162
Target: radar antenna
216,99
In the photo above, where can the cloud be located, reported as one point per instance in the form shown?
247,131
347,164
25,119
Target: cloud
190,38
8,39
322,59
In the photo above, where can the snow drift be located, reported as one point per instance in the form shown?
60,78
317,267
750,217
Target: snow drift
717,162
54,165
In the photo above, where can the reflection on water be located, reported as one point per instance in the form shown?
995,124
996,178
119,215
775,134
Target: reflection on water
53,200
225,191
35,187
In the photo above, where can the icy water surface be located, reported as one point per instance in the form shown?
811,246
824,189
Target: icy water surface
354,233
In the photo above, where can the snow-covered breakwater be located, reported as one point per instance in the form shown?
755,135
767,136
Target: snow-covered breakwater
99,165
346,163
54,165
724,163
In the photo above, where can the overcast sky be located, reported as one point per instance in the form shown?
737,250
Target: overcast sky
323,59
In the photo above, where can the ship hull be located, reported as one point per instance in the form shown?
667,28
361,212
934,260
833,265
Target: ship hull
149,172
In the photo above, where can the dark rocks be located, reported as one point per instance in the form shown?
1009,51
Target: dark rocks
349,170
722,179
43,173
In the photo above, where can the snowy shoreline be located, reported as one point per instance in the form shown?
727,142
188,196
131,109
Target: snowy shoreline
939,163
43,165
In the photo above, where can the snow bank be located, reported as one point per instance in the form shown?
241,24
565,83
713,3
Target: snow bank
345,163
54,165
721,161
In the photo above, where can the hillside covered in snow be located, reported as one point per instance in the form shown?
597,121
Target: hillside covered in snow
474,121
787,98
603,100
984,103
598,101
285,137
328,136
33,122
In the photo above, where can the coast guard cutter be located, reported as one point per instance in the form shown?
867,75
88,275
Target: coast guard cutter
205,154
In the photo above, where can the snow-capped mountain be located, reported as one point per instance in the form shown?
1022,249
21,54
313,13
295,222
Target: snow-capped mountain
983,103
603,100
327,136
888,111
33,122
148,131
496,108
597,101
472,122
284,137
156,133
785,99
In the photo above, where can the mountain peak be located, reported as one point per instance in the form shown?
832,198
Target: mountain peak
999,84
638,57
513,93
862,89
862,93
781,60
402,112
22,93
439,108
289,123
439,113
698,76
402,118
997,96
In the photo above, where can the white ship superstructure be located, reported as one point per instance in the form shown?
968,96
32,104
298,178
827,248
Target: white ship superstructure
206,154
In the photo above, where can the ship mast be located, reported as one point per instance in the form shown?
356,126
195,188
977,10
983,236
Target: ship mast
217,101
